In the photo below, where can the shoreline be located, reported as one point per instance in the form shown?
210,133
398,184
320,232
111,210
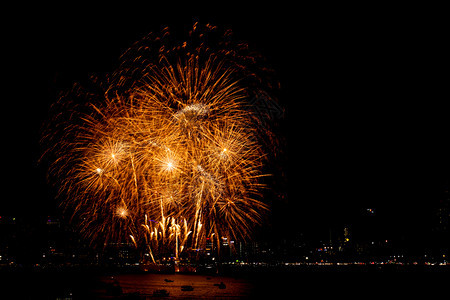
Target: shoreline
230,269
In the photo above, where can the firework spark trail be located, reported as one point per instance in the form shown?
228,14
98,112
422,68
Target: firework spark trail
172,140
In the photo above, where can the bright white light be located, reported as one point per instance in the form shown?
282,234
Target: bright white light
169,165
122,212
196,109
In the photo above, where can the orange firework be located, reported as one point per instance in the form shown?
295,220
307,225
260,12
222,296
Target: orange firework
168,155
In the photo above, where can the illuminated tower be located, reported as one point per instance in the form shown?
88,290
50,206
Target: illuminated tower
443,213
442,229
347,235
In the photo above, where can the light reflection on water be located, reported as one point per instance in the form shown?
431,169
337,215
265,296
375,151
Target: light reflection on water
261,284
203,286
276,285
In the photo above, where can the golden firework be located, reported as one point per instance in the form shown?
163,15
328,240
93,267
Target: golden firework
168,156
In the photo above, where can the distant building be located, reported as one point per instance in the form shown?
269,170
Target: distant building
347,235
441,231
120,254
8,235
7,220
370,211
443,213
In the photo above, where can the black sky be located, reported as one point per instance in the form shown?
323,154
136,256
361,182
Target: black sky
365,92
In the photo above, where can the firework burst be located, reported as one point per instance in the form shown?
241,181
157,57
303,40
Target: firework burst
169,153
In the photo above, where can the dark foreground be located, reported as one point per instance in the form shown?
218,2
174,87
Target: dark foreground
320,283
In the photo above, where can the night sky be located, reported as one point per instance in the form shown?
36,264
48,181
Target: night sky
365,94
